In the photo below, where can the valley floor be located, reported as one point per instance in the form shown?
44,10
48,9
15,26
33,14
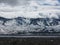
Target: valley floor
29,41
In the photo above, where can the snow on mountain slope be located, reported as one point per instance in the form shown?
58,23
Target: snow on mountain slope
21,24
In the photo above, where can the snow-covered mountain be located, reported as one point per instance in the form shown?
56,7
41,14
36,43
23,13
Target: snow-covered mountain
22,24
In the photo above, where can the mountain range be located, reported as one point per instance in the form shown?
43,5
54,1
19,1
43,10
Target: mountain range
22,24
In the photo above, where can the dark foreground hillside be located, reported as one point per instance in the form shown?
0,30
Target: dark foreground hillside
29,41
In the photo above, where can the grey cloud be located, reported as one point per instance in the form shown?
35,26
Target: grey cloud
10,2
21,2
14,2
58,0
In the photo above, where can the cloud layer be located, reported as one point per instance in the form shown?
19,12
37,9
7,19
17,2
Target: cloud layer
29,8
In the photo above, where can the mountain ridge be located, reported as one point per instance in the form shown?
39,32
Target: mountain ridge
21,24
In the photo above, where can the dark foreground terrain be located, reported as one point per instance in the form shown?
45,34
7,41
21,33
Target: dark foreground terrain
30,41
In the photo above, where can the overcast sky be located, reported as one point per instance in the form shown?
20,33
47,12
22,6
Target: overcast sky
29,8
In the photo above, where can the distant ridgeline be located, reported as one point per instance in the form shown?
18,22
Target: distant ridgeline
22,24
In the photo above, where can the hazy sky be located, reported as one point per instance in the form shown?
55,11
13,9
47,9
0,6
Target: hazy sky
29,8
